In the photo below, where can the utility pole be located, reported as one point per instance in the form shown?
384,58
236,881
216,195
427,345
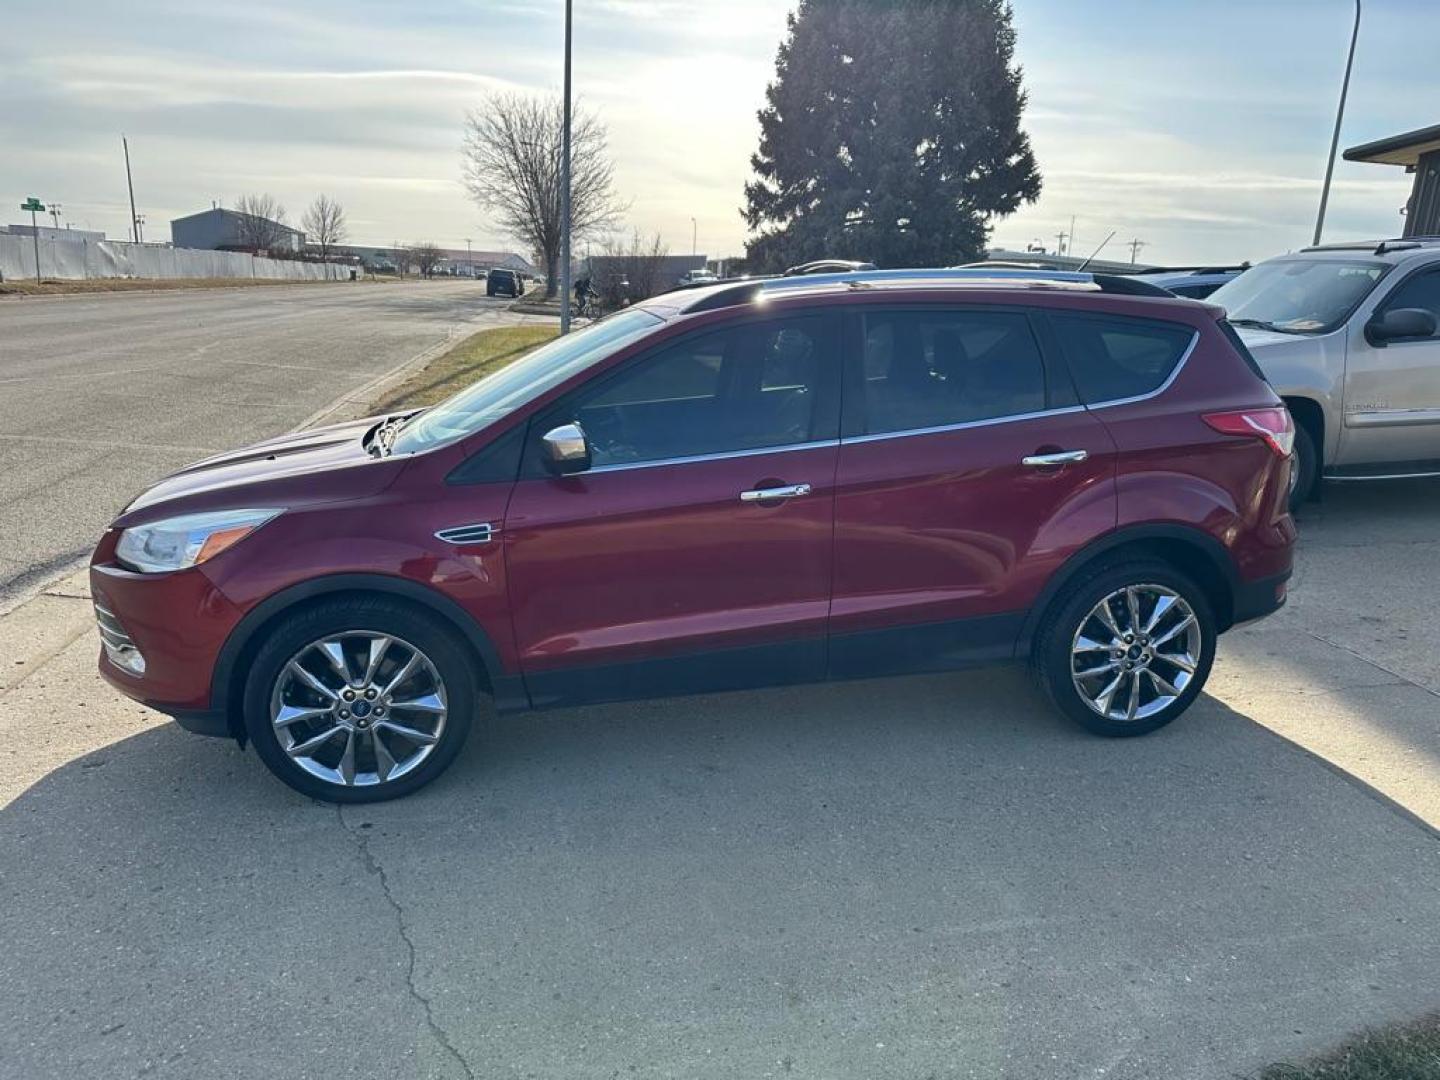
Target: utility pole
134,228
694,232
54,213
1071,241
565,191
1135,246
1060,238
470,257
139,228
1335,137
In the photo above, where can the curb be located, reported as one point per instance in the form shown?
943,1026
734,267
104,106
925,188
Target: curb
364,396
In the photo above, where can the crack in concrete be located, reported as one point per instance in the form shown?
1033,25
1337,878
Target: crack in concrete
373,866
1399,675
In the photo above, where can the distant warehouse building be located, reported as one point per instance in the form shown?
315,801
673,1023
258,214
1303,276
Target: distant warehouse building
1419,152
47,233
219,229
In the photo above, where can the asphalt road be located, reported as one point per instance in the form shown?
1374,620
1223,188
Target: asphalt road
101,395
910,878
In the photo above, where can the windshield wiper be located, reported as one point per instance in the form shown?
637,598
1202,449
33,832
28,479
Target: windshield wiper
1261,324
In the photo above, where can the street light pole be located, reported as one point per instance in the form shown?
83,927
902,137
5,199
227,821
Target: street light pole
694,232
1335,138
470,258
565,191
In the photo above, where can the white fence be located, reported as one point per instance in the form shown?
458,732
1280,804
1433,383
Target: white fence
80,259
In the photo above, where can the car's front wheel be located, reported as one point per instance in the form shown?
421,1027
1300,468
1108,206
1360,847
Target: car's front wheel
1127,649
359,699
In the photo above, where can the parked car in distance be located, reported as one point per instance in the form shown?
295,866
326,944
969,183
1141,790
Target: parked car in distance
1196,283
1346,333
749,484
696,277
829,266
500,282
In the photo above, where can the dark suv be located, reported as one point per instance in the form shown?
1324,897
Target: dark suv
500,282
748,484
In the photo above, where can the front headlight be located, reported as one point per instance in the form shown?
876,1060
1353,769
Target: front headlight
178,542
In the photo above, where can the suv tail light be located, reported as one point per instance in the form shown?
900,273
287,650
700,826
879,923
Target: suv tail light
1273,425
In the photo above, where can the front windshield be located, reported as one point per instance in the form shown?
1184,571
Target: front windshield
1299,296
506,390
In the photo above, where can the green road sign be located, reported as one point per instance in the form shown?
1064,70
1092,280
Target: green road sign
32,204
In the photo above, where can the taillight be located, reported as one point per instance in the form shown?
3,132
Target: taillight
1274,426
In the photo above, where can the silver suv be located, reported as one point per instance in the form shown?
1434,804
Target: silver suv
1347,336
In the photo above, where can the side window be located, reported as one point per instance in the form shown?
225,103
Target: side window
745,387
1113,359
927,369
1421,291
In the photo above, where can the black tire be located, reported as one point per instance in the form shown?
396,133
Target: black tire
426,633
1051,651
1304,468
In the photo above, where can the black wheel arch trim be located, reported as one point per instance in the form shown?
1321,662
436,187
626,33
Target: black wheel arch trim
504,687
1202,542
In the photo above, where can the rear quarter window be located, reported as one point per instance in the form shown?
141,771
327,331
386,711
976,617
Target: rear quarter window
1112,359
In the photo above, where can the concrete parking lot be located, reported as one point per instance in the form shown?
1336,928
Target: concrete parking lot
924,877
102,394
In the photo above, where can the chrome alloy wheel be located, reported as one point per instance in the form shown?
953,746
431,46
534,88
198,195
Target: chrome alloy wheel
358,708
1135,652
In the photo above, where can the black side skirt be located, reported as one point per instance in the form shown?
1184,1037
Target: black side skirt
898,651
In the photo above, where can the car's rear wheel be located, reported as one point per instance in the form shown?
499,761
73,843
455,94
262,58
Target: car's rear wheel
359,700
1127,649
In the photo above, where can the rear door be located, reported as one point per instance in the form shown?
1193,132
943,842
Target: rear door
695,553
968,472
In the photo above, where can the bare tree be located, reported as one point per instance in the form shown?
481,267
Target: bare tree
628,271
404,258
427,257
262,222
324,224
511,163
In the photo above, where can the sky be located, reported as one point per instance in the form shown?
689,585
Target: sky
1199,127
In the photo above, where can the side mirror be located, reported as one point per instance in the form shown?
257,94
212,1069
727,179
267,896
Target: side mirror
567,450
1397,323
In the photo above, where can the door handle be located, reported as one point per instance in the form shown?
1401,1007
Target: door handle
790,491
1061,457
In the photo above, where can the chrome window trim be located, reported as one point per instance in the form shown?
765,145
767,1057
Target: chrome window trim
963,425
693,459
1170,381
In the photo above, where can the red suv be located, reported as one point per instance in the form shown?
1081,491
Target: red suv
738,485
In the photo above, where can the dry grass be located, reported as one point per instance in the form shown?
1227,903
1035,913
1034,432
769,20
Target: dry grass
52,287
487,351
1408,1051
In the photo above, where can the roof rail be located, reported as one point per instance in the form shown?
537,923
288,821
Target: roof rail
742,292
1378,247
1236,268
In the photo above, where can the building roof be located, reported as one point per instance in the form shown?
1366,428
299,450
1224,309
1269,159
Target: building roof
1398,149
224,214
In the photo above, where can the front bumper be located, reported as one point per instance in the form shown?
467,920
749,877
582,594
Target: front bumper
179,623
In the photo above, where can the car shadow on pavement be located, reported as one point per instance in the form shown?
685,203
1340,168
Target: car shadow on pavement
911,877
1350,668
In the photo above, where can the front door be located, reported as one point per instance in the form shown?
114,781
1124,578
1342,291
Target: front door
695,553
1392,391
966,476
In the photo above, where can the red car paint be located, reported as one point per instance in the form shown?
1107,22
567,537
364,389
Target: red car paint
606,568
